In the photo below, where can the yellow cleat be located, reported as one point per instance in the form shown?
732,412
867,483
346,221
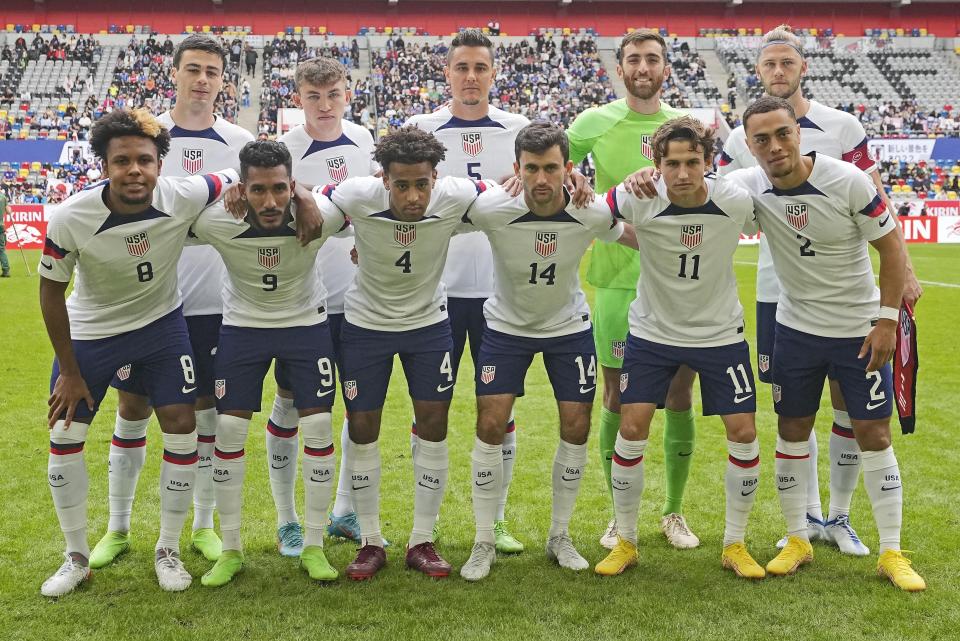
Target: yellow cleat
896,567
620,558
795,553
736,557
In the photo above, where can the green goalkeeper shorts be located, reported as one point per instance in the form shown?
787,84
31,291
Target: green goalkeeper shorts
610,326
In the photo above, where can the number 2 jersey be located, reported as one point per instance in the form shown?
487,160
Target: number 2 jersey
126,264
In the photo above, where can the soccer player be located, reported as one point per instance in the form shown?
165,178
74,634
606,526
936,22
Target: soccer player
123,236
618,137
326,150
396,306
687,313
819,215
830,132
274,308
200,142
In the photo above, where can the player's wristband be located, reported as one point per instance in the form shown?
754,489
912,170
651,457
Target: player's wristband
890,313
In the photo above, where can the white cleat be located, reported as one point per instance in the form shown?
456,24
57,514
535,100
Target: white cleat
840,533
171,574
674,527
560,549
66,579
815,532
482,558
609,538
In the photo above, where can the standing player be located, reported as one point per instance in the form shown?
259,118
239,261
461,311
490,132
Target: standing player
538,239
479,140
687,313
618,137
123,236
200,142
830,132
819,214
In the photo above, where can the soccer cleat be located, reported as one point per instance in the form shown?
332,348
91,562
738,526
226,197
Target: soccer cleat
622,556
840,533
736,557
347,527
795,553
815,532
561,550
171,574
206,542
505,541
107,549
674,527
482,558
370,559
66,579
290,539
227,566
609,538
314,561
896,567
423,557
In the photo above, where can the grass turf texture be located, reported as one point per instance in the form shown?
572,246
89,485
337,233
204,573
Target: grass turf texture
670,595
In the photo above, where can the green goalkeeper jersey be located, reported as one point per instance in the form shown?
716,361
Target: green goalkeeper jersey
619,139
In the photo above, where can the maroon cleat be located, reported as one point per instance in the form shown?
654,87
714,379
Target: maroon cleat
369,560
424,558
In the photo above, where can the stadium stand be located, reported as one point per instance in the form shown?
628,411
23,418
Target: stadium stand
688,84
927,179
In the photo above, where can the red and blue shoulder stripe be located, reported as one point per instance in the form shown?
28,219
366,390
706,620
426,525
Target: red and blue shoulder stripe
876,207
53,250
612,203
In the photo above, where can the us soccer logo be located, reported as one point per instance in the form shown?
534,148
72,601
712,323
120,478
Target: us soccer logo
763,360
268,257
124,372
404,234
487,374
777,393
472,143
192,160
691,236
138,244
337,168
350,389
797,215
645,147
220,387
624,379
545,244
617,347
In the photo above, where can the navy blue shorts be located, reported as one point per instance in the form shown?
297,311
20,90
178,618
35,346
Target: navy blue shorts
466,321
570,361
279,371
244,356
801,362
160,351
766,332
726,378
368,362
204,333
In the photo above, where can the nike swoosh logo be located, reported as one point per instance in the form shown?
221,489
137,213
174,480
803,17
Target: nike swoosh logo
846,464
184,489
873,406
279,467
316,480
587,390
420,483
46,265
187,390
884,488
362,487
62,485
220,480
884,221
575,478
742,493
228,180
485,483
322,394
619,488
441,388
685,453
737,399
789,487
203,467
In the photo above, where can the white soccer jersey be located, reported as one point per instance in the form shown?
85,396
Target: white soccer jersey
201,271
481,150
687,294
829,132
537,262
818,234
272,280
125,263
317,163
397,287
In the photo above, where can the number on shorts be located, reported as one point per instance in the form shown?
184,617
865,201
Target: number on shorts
270,282
695,274
737,387
405,262
326,372
187,364
145,272
805,247
549,273
589,371
446,367
876,394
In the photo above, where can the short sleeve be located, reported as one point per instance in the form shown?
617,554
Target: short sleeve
334,222
868,208
59,250
855,148
612,234
198,192
728,160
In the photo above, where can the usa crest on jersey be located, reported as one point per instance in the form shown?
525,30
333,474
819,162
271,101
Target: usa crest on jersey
192,160
337,168
797,215
268,257
350,389
404,233
220,388
138,244
545,244
124,372
691,236
645,147
472,143
617,348
488,373
763,360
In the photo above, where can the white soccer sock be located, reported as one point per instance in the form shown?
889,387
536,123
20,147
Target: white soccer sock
568,464
229,469
509,456
318,471
881,477
844,464
813,507
343,504
178,473
792,467
204,497
413,439
365,488
67,477
128,449
281,439
626,476
487,476
742,480
430,475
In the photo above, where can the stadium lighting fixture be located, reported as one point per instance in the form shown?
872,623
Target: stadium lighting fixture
564,3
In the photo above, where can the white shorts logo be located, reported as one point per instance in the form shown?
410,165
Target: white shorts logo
777,393
487,374
624,378
220,388
350,389
124,372
764,361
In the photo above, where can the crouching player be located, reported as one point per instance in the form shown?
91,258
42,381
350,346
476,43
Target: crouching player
274,308
686,313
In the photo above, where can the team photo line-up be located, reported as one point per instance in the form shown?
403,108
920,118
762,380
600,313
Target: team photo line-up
329,254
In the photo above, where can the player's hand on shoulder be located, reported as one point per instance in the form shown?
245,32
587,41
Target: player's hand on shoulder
354,256
513,186
309,220
581,191
235,203
68,391
642,183
879,344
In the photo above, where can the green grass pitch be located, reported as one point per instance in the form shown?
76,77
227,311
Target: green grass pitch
670,595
